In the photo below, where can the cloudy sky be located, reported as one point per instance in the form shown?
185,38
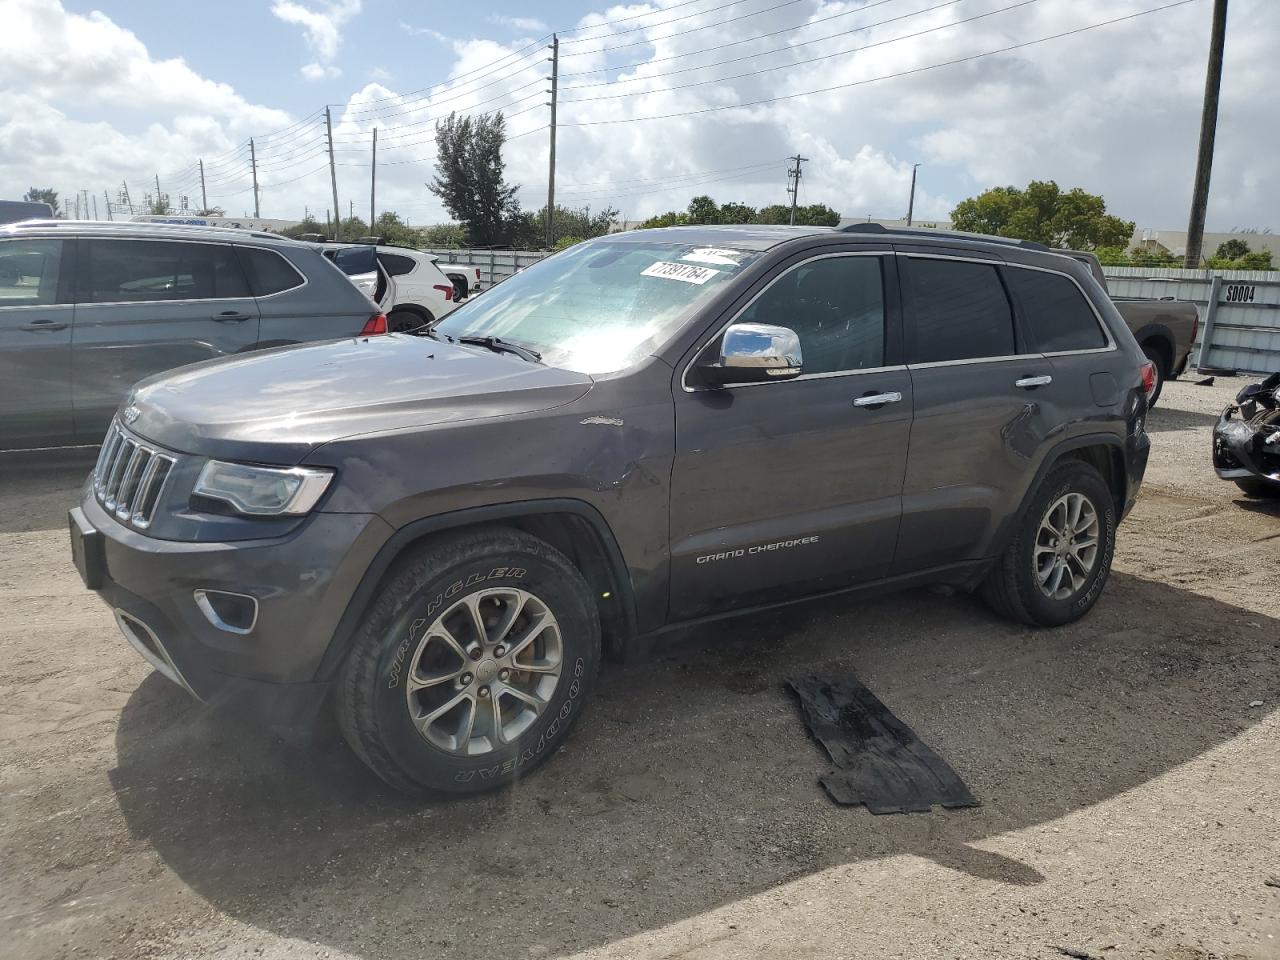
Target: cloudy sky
658,100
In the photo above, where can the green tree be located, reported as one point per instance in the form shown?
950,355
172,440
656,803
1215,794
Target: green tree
671,218
702,209
1232,249
43,195
469,177
448,236
308,225
580,223
1254,260
737,213
813,215
565,242
211,212
158,206
1043,212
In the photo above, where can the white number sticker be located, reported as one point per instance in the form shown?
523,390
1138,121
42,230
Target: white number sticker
686,272
713,255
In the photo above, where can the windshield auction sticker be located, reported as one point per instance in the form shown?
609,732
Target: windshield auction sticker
713,255
686,272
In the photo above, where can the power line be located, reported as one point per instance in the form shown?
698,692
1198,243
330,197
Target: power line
808,60
764,53
684,33
687,16
887,76
738,43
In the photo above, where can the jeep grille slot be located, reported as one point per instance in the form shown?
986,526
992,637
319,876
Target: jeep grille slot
130,476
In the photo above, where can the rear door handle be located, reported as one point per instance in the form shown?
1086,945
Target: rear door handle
44,325
1030,383
229,316
877,399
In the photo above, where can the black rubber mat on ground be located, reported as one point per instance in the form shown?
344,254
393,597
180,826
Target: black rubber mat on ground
879,760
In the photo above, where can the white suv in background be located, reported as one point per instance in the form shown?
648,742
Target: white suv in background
405,283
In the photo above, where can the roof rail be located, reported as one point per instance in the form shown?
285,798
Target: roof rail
144,226
947,234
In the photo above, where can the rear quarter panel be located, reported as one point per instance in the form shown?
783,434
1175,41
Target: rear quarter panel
326,307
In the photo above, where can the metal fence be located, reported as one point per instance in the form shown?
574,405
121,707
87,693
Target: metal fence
1239,311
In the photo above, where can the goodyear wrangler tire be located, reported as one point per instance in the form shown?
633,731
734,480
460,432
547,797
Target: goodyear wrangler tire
471,665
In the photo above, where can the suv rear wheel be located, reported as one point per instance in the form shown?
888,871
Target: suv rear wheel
471,665
1058,562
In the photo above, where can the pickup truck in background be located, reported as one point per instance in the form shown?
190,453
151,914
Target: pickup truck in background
1164,329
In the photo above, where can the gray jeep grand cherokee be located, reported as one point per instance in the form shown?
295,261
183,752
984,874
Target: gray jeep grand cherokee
442,533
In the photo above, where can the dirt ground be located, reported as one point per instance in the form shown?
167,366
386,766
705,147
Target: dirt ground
1131,793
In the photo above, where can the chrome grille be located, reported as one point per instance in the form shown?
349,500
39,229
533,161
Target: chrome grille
130,476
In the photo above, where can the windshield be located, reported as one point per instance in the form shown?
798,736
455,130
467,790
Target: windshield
600,306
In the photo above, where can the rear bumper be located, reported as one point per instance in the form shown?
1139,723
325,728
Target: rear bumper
300,585
1137,451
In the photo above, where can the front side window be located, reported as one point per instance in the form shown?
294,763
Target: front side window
141,271
960,309
1057,316
600,306
835,305
29,272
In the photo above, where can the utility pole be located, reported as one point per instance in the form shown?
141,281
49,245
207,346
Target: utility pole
124,185
106,202
1208,127
793,183
911,203
159,196
95,206
551,175
373,180
253,165
333,175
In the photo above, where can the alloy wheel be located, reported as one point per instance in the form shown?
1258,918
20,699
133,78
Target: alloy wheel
1066,547
484,671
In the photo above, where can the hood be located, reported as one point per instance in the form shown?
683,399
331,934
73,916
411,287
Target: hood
276,406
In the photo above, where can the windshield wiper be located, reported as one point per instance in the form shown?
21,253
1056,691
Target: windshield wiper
499,345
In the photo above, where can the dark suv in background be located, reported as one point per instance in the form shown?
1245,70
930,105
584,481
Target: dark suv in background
442,533
88,309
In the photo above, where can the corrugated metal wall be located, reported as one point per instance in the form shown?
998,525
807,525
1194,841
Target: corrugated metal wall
1239,311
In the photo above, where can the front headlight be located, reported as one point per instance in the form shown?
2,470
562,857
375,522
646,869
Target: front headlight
263,491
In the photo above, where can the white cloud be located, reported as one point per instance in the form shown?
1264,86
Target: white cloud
322,22
318,71
531,24
424,32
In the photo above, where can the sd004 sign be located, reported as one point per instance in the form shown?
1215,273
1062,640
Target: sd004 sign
1241,292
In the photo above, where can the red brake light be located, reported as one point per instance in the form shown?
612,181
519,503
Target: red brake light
447,291
377,324
1148,377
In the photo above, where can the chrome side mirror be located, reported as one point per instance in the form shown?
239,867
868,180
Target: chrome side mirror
754,353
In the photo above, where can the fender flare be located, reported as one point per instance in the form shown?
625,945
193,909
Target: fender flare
395,545
1051,459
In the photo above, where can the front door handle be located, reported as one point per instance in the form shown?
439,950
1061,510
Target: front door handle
44,325
1030,383
229,316
874,400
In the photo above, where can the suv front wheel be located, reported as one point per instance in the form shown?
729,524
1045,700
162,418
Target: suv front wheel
1054,569
471,665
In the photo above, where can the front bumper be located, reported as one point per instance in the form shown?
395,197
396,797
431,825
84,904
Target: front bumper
301,582
1241,449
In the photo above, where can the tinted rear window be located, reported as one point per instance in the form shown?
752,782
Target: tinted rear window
140,271
268,271
1056,313
397,265
960,308
354,261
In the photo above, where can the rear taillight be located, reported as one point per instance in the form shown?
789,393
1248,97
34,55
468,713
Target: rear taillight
447,291
377,324
1148,377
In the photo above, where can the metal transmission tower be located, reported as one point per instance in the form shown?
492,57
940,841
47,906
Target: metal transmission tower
793,183
1208,127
